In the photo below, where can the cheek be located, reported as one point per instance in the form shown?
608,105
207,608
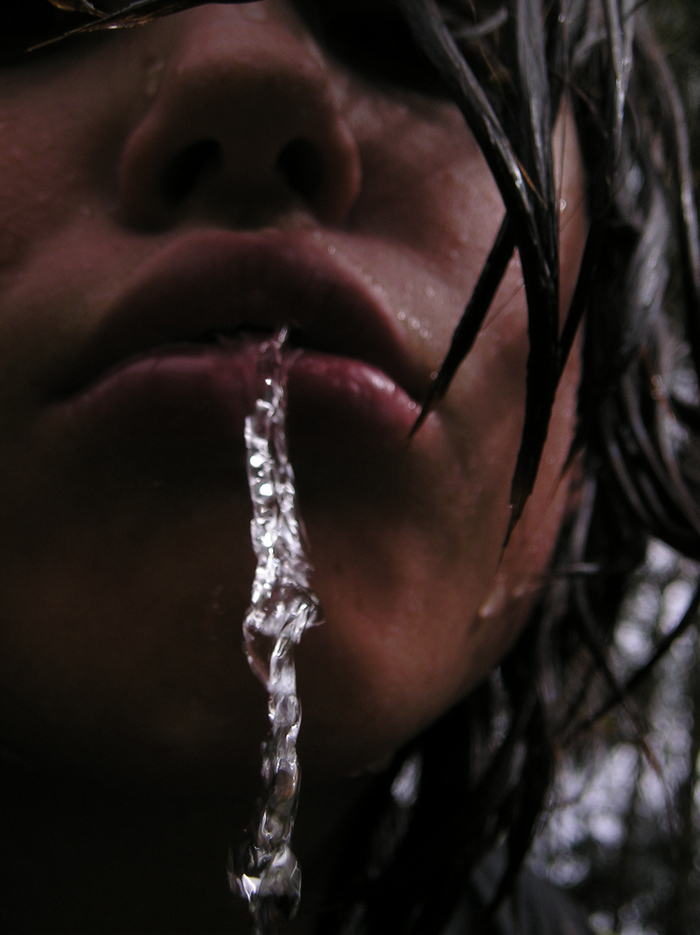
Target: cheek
60,135
426,218
404,590
426,186
429,615
40,189
30,199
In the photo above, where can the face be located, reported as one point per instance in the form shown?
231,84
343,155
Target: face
169,195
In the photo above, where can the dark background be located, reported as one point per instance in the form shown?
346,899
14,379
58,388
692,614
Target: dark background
623,832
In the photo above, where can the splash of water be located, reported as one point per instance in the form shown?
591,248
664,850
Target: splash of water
282,607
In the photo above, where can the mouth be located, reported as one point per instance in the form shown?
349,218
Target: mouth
178,351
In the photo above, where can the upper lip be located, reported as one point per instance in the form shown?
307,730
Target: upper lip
219,281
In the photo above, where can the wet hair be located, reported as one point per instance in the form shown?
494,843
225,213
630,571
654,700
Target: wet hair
487,765
478,778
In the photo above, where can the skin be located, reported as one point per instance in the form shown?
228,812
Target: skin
126,575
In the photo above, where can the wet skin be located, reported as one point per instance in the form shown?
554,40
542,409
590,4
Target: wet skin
124,516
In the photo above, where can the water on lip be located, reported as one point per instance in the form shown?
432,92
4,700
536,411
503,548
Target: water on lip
265,871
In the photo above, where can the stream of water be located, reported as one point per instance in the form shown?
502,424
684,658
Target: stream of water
266,872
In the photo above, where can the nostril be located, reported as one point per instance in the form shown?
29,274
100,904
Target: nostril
301,165
188,167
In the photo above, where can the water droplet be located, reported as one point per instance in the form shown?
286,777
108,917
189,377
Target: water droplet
495,602
635,179
331,249
402,315
406,785
153,76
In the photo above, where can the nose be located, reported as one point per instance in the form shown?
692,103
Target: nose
243,128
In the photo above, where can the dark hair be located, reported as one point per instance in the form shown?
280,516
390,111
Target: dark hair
479,776
487,765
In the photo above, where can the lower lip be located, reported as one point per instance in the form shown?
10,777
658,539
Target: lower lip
204,393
